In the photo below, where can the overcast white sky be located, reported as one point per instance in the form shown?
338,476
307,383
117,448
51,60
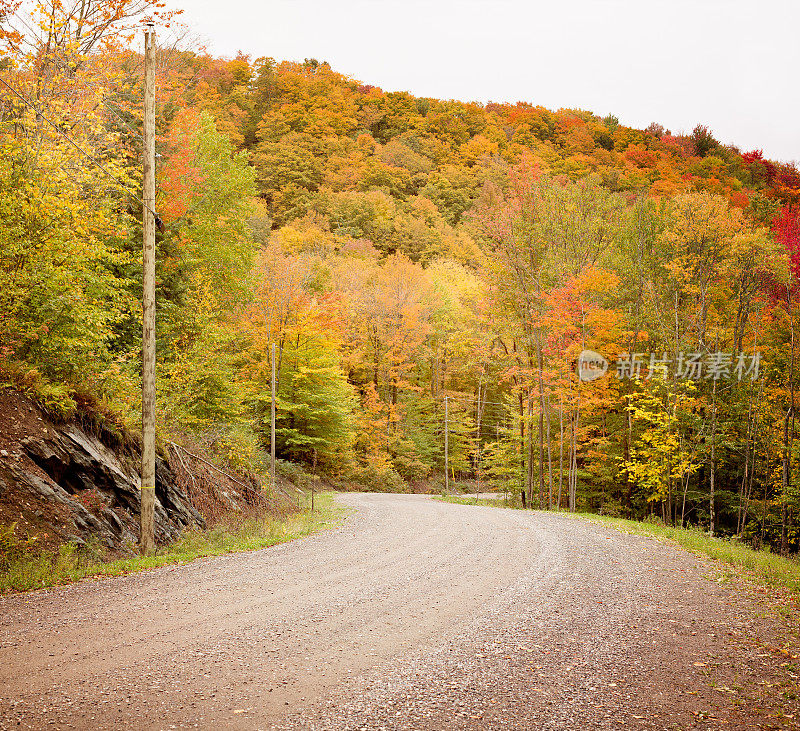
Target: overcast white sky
729,64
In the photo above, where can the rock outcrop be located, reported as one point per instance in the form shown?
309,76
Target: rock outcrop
61,483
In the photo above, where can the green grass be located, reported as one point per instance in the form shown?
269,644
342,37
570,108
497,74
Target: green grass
761,566
467,500
20,570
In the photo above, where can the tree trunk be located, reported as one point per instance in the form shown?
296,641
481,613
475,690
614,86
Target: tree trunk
549,458
669,497
531,450
763,516
522,446
560,446
787,435
478,429
683,505
574,466
628,478
540,367
711,514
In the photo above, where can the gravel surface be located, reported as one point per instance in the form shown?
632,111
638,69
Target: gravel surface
416,614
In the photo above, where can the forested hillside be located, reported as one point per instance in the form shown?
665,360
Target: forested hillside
400,252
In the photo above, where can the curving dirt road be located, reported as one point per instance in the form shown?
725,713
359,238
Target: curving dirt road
415,614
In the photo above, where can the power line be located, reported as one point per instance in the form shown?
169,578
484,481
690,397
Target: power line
63,64
130,129
469,399
83,152
472,400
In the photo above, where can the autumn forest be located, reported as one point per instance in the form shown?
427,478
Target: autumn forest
414,261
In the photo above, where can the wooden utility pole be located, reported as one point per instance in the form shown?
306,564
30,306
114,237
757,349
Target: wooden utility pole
479,416
478,430
446,447
272,423
148,484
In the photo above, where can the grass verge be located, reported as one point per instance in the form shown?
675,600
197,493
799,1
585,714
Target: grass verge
761,566
22,571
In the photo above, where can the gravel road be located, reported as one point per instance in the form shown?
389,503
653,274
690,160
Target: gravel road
416,614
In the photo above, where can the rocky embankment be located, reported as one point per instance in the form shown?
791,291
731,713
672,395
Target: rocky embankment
61,483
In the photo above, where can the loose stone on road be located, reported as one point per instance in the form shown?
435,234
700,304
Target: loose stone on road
415,614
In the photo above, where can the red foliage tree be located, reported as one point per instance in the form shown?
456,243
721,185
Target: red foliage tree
786,228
